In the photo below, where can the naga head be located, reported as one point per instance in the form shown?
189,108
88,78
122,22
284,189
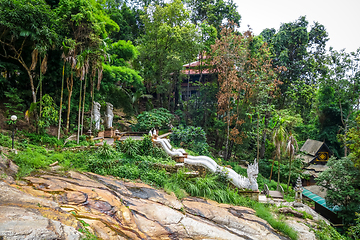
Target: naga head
252,172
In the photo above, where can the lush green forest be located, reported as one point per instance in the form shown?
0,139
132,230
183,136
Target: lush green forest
264,95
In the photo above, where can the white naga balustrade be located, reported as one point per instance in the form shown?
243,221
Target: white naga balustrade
239,181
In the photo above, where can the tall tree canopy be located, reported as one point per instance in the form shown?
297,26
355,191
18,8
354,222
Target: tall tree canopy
246,79
214,12
169,41
301,51
26,26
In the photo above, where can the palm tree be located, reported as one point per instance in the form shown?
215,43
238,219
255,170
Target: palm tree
290,150
67,56
82,68
70,84
67,51
279,140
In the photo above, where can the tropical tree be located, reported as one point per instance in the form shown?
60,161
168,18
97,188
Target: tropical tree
82,67
279,139
169,41
291,148
229,54
68,48
343,76
263,78
301,50
342,183
283,123
247,82
86,23
25,27
353,142
215,13
120,76
127,17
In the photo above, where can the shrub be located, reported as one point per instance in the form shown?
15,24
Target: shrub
49,114
145,147
15,104
156,118
129,146
192,138
354,231
30,160
43,139
323,231
5,141
106,151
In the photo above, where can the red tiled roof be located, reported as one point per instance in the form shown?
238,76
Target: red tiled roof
194,68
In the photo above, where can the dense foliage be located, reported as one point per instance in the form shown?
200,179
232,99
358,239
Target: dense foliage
158,118
342,183
192,138
242,96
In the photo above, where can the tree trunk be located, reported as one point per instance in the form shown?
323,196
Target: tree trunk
61,99
188,86
287,188
272,166
70,89
227,134
278,181
79,115
40,84
19,58
229,154
257,139
200,66
262,149
92,101
83,109
33,93
345,123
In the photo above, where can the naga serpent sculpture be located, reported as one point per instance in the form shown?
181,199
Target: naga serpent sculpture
239,181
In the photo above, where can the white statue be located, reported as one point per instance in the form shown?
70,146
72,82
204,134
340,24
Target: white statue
109,116
96,115
252,172
239,181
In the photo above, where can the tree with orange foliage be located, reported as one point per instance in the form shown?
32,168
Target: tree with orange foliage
246,81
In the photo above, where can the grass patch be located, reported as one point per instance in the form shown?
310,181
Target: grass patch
326,232
263,212
135,161
30,160
5,140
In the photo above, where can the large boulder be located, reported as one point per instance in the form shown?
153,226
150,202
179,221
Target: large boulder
58,206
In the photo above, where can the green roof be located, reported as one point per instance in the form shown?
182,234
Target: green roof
319,200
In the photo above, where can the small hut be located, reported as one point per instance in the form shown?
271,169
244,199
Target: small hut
316,152
315,156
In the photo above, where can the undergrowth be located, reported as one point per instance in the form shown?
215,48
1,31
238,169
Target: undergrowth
5,140
135,160
323,231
